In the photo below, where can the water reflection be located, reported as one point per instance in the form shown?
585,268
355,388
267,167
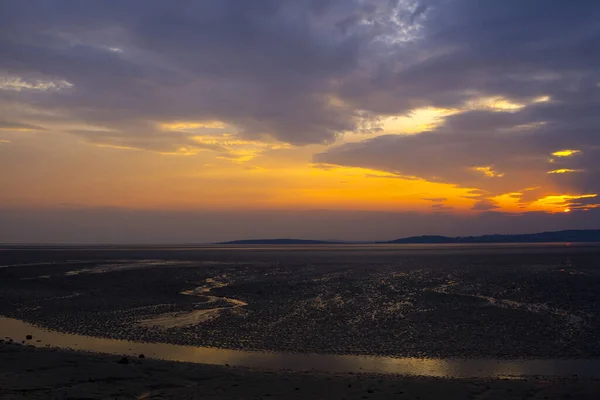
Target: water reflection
303,362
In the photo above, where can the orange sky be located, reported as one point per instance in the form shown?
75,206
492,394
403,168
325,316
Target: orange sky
249,174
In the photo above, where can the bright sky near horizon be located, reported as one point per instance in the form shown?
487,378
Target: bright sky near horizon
427,110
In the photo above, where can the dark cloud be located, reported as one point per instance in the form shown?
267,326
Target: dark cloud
17,126
466,47
521,52
267,67
306,71
485,205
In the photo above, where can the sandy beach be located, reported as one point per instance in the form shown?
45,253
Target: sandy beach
40,373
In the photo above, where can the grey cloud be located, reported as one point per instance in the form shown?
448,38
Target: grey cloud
267,67
306,71
148,139
485,205
499,48
10,125
512,49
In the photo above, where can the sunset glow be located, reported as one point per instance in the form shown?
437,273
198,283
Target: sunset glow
565,153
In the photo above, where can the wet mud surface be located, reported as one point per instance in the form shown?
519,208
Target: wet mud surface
28,373
455,301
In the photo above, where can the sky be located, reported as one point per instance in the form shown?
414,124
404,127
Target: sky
154,121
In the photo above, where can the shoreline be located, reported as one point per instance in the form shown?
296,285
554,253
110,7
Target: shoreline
41,373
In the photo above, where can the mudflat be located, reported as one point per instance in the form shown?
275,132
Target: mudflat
340,322
456,301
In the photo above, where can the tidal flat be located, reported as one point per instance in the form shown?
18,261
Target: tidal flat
449,303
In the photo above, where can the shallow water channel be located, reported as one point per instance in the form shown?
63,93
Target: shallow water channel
455,368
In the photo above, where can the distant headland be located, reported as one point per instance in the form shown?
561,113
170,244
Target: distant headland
585,235
281,241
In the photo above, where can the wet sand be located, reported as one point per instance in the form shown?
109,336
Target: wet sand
533,307
476,302
35,373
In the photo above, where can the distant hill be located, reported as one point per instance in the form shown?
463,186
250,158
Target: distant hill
588,235
543,237
280,241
